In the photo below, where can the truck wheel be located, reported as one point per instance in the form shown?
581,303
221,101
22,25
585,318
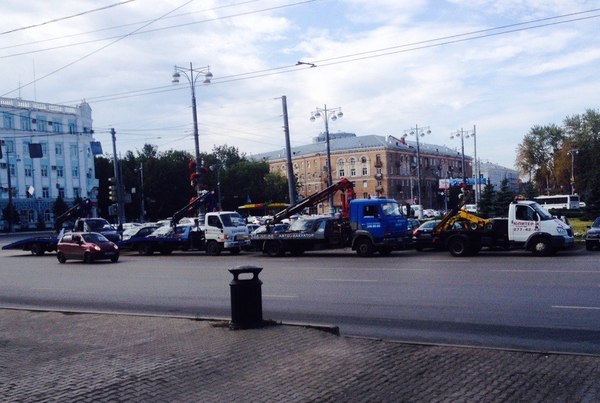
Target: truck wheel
114,259
37,249
234,251
364,247
213,248
61,257
542,247
144,249
458,246
274,248
297,251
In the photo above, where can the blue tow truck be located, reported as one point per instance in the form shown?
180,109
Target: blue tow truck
365,225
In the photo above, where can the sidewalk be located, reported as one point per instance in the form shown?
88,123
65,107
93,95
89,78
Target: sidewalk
57,357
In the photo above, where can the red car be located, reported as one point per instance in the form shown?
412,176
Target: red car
86,246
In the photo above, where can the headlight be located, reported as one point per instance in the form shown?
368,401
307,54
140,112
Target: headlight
116,247
561,230
96,247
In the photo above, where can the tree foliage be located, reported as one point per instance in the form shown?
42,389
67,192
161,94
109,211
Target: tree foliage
167,188
551,156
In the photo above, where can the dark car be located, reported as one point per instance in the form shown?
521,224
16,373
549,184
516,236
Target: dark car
422,236
592,237
138,232
86,246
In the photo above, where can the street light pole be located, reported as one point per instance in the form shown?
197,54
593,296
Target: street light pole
418,131
327,114
192,75
572,153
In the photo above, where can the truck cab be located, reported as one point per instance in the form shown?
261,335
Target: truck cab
377,224
225,230
532,227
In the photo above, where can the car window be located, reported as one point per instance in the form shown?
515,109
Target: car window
233,220
92,237
596,223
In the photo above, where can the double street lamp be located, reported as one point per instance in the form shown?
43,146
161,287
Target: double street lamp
192,74
326,114
462,134
418,132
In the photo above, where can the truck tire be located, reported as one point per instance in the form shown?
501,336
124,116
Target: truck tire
274,248
541,247
364,247
234,251
385,251
87,258
37,249
145,249
297,251
166,251
458,246
213,248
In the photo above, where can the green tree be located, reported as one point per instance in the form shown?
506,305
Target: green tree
504,196
59,207
487,205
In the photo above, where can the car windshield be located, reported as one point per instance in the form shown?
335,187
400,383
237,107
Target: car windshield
391,209
596,223
302,225
98,224
162,231
91,237
233,220
544,215
130,231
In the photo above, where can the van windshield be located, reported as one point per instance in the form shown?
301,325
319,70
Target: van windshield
233,220
544,215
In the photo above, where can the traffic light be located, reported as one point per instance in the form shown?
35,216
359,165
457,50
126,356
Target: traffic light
112,190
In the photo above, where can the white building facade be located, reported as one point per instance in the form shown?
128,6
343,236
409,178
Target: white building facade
64,167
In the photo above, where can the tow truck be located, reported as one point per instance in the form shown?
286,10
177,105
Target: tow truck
528,226
213,232
365,225
80,212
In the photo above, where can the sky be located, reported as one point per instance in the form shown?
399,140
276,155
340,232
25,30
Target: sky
498,67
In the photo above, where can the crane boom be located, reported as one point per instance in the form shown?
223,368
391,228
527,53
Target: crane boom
344,185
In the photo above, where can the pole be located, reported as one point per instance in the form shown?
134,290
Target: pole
329,175
418,166
10,198
462,146
290,169
142,207
118,183
475,167
219,187
195,118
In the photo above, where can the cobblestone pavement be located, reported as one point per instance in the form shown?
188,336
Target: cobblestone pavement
58,357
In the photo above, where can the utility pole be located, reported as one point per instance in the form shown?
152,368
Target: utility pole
118,182
290,170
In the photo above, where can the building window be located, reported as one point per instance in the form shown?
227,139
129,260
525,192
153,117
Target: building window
11,169
61,193
365,184
10,146
316,187
44,170
57,127
353,172
26,148
75,172
341,173
42,124
309,187
340,162
44,149
73,150
352,161
76,193
58,149
365,195
25,123
363,160
59,171
378,171
47,216
28,170
72,127
8,119
365,171
45,193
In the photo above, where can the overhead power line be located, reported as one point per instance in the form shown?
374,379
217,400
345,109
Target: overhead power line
66,17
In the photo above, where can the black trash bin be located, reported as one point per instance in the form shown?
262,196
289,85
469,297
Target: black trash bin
246,298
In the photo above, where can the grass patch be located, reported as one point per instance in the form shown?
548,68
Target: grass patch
579,227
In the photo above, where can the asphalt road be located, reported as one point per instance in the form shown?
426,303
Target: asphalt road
497,299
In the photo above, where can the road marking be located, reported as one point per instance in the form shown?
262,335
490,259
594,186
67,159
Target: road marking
548,271
341,280
592,308
281,296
